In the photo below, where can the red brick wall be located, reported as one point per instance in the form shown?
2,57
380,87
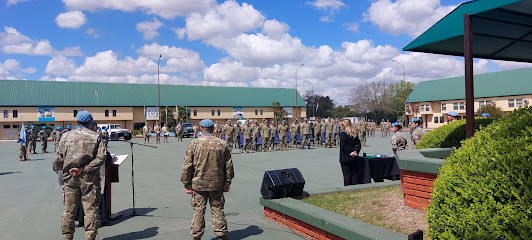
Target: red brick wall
298,226
417,187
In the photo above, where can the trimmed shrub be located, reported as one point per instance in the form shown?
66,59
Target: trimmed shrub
450,134
484,189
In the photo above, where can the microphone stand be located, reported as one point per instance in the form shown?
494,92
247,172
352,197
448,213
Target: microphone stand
133,175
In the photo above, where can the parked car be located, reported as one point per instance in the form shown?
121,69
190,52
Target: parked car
188,129
116,131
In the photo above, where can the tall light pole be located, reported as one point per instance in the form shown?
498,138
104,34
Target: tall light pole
404,91
159,91
313,98
296,91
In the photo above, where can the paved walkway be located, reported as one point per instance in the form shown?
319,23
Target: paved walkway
31,207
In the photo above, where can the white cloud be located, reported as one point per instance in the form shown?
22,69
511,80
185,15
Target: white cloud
13,2
12,66
364,50
353,27
223,21
60,66
13,42
178,59
328,5
163,8
72,19
92,32
275,29
107,64
230,72
180,33
326,19
411,17
149,29
507,65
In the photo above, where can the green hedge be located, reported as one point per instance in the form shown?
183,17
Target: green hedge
450,135
484,189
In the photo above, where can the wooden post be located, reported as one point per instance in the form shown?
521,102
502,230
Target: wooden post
469,89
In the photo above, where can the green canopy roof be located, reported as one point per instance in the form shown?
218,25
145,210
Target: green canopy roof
502,30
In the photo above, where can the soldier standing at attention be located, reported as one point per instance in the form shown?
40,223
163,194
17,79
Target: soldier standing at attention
265,136
273,131
33,139
398,139
79,157
417,132
336,132
207,174
165,133
362,127
247,134
329,133
294,129
255,133
305,131
56,136
322,132
147,132
283,131
43,135
229,132
157,130
180,132
23,141
317,133
68,128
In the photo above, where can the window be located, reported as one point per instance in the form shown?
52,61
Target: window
435,119
195,112
7,126
490,103
422,108
218,112
15,113
511,103
6,114
114,113
455,106
407,108
212,112
106,113
427,108
462,106
16,126
75,113
256,112
519,102
481,104
443,106
442,120
260,112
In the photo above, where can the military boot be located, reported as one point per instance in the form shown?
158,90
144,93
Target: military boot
223,238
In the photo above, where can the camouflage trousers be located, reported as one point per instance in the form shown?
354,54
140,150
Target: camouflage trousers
266,143
22,152
199,204
87,188
44,145
247,144
229,141
294,140
283,141
56,143
363,137
329,137
336,137
317,136
33,146
305,140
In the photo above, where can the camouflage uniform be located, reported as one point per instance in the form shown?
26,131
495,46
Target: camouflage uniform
322,132
329,133
273,131
229,132
305,131
81,148
266,137
56,136
33,140
207,169
294,129
157,130
43,135
336,132
180,132
317,133
165,133
247,133
398,142
417,134
255,132
147,133
362,127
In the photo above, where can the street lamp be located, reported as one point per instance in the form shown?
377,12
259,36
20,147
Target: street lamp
404,91
296,91
313,98
159,90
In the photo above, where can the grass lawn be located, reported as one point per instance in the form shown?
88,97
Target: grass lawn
381,207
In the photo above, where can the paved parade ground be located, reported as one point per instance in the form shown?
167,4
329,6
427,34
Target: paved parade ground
31,207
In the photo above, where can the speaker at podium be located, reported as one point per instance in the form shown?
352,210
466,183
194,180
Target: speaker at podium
282,183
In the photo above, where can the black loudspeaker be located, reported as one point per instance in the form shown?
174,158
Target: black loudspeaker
282,183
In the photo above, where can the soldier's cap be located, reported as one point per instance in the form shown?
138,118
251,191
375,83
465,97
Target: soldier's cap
452,113
84,117
229,120
57,128
206,123
32,126
284,121
43,127
99,128
68,126
76,127
395,124
105,128
485,115
413,120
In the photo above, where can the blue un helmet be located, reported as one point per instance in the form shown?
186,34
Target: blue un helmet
43,127
485,115
68,127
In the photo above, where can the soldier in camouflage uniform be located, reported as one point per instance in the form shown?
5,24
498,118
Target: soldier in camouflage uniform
33,135
229,133
417,132
43,135
294,129
165,133
157,130
146,131
362,128
265,136
207,174
398,140
255,134
305,131
180,132
317,132
23,144
329,126
247,133
79,157
336,132
273,131
56,136
323,129
283,131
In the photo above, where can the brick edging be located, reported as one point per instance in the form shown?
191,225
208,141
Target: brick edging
417,187
298,226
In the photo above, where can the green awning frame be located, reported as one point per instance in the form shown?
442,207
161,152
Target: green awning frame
502,30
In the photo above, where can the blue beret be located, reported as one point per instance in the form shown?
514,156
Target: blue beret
485,115
57,128
32,126
452,113
415,120
68,126
43,127
284,121
229,120
105,128
84,117
206,123
76,127
396,124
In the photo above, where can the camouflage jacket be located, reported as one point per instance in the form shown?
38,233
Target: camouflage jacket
294,128
81,148
399,142
43,135
283,130
229,131
208,165
247,131
417,134
317,127
305,128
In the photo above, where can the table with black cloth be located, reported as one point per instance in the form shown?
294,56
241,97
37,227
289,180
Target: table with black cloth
377,168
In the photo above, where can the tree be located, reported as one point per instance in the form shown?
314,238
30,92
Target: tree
343,111
398,91
371,97
324,105
278,111
493,110
182,115
171,118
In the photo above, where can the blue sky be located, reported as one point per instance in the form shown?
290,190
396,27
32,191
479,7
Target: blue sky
253,43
